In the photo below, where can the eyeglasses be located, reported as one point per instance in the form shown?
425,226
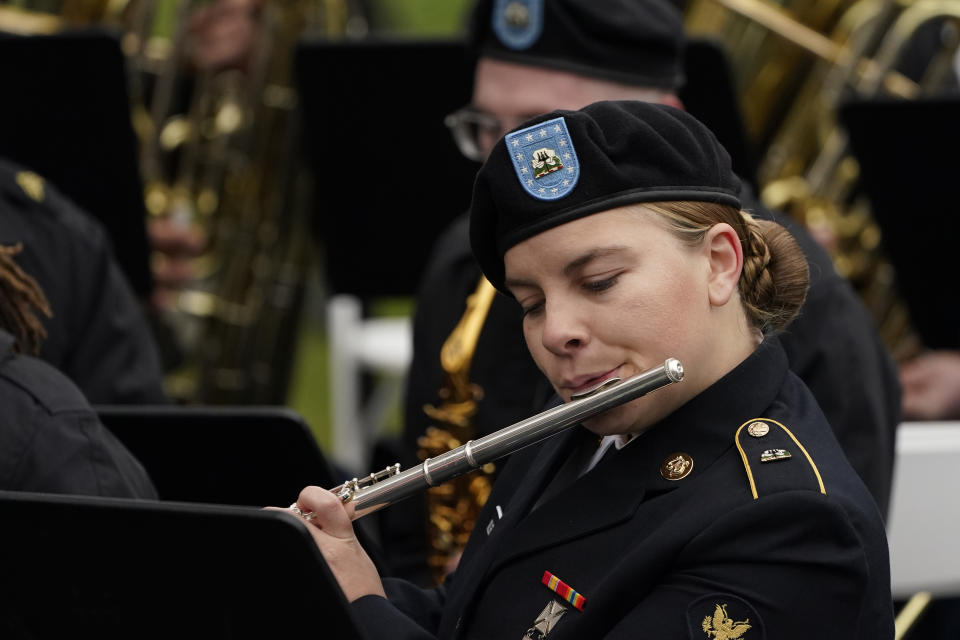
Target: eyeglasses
474,131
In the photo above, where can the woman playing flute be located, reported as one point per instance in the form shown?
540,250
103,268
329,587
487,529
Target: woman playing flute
718,507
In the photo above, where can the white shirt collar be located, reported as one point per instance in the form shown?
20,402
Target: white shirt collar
618,441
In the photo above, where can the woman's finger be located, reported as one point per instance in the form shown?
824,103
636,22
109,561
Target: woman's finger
323,509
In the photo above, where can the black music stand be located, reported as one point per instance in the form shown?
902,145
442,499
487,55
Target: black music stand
65,114
909,163
245,456
117,568
252,456
387,176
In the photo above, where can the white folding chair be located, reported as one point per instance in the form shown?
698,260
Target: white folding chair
360,344
923,528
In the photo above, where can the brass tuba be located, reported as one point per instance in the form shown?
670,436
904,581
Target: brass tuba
224,160
217,153
43,17
796,62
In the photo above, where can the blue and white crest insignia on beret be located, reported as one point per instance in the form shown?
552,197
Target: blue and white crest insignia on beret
518,23
544,159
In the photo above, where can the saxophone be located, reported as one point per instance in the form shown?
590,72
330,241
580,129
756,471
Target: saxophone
453,507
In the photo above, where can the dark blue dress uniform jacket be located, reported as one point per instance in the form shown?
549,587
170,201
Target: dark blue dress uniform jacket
51,441
861,398
792,548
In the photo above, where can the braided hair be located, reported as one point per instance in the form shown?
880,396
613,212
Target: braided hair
20,295
775,276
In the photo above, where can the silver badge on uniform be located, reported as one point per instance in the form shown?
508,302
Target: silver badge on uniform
493,523
546,621
772,455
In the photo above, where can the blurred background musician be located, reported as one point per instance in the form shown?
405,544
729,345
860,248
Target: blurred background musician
50,438
797,65
577,53
97,332
213,113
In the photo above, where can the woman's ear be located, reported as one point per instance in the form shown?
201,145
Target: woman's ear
725,259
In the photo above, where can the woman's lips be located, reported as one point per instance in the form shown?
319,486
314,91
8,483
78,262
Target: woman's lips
582,383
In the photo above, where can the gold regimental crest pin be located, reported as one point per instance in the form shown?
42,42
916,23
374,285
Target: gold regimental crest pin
721,627
546,621
676,467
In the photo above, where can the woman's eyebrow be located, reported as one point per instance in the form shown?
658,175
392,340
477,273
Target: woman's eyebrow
593,254
509,283
573,265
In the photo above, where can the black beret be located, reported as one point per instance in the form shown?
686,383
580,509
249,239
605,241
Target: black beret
637,42
569,164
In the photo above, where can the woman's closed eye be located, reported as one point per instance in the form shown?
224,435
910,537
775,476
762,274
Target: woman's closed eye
535,306
531,308
598,286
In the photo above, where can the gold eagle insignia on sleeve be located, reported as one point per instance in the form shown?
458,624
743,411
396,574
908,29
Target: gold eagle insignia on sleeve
721,627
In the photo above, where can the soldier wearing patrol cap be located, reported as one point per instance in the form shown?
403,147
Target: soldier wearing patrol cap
533,57
718,507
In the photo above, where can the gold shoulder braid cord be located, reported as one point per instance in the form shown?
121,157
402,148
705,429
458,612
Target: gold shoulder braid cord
19,296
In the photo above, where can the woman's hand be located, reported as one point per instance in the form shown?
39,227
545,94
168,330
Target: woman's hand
329,522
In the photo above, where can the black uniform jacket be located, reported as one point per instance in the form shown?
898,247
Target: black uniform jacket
51,441
739,548
98,335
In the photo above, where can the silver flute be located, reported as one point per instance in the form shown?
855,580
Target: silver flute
383,488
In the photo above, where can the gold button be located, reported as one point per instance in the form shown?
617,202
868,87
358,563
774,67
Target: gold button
758,429
676,466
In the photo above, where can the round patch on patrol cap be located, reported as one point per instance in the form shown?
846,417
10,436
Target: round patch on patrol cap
544,159
517,23
634,42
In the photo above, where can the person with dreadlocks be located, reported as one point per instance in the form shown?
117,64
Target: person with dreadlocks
22,293
98,334
51,440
